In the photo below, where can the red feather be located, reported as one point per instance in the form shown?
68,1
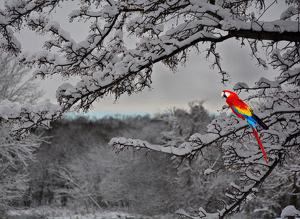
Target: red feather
259,142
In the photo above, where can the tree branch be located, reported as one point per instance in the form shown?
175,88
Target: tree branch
266,35
243,198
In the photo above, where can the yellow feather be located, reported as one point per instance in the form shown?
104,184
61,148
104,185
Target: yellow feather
247,111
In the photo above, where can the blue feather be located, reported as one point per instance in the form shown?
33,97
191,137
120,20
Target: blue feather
251,121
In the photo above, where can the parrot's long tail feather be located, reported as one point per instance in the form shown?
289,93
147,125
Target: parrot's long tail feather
259,122
259,142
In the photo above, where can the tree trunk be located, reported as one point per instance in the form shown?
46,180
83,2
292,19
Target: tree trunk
296,190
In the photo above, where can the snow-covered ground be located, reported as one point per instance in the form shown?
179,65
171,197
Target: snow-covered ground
49,212
63,213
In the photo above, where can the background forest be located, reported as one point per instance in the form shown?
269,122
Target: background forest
78,168
74,168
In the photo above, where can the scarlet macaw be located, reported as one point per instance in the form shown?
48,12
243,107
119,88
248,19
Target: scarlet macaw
243,111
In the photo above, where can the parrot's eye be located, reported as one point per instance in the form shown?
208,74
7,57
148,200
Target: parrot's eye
225,94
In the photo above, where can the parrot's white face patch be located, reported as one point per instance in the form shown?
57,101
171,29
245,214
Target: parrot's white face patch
225,94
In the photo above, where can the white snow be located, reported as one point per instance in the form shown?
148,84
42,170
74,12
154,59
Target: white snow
240,85
208,171
51,212
288,13
264,82
289,210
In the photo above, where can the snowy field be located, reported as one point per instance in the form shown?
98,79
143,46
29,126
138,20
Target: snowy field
48,212
62,213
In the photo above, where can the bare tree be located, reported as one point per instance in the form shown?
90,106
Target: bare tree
16,83
15,155
167,31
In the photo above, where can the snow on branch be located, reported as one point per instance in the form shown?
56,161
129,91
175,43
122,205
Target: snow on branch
290,212
13,18
238,196
221,131
284,57
26,116
185,149
288,13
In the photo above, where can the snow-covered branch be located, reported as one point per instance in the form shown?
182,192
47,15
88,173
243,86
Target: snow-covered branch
222,129
13,17
239,195
26,117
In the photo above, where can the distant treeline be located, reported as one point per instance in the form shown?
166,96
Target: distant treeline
76,168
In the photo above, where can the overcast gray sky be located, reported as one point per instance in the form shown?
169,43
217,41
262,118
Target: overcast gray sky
194,81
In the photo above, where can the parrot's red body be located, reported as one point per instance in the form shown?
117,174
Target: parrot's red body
243,111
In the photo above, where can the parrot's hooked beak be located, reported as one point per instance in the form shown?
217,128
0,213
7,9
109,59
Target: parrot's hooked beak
223,95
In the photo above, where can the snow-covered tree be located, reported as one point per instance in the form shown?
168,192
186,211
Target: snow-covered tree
15,155
166,31
16,85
